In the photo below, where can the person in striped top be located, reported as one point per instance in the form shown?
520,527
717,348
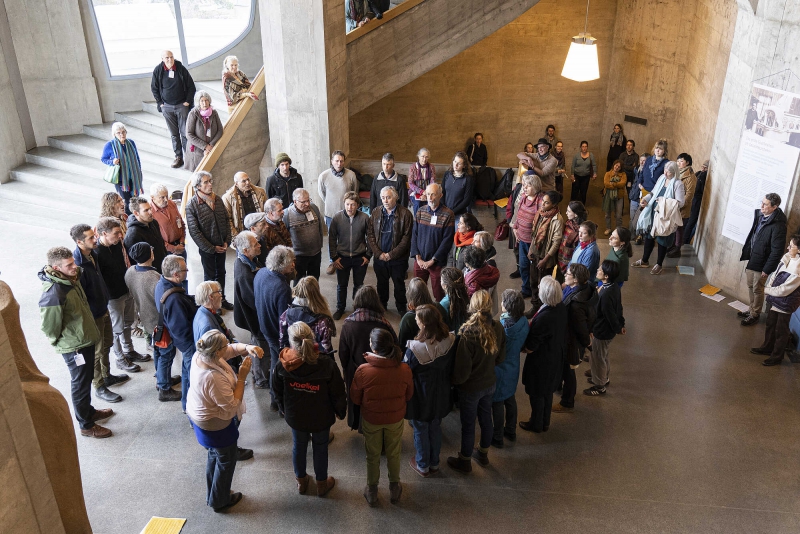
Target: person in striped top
432,238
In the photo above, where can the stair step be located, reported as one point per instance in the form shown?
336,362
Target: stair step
21,192
150,107
58,181
54,219
94,169
145,140
144,121
93,147
215,89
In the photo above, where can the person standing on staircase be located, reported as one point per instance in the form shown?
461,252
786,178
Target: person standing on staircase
122,151
173,88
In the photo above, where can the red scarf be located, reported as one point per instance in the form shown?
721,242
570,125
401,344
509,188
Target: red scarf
465,239
586,244
543,219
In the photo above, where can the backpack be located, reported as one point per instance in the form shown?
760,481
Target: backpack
505,186
485,180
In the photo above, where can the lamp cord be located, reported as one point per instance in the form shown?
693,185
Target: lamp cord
586,23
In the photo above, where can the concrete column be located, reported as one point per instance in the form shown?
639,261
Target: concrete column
306,82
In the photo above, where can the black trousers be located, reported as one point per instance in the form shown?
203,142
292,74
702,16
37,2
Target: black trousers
307,266
580,187
214,267
776,337
126,196
176,123
354,264
396,271
81,385
508,423
541,407
570,386
649,245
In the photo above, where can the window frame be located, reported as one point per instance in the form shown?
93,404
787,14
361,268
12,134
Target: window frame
181,40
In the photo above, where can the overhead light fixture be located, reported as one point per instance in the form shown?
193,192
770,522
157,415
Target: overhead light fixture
581,64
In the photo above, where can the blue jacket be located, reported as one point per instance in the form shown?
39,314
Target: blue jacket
652,175
590,257
204,321
508,372
273,296
108,155
638,179
93,284
179,312
432,370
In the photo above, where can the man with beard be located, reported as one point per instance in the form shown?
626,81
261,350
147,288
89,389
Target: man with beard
242,199
543,166
284,180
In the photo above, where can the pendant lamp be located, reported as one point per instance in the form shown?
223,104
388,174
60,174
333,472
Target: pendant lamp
581,64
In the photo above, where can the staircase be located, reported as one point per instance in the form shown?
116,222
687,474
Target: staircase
61,183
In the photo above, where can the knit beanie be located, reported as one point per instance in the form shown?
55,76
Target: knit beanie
283,156
140,252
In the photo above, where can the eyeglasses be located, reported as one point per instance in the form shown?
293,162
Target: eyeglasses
217,292
183,271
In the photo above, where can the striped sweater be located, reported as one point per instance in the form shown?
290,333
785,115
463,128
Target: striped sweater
433,241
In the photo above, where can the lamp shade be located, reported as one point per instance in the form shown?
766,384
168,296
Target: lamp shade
581,64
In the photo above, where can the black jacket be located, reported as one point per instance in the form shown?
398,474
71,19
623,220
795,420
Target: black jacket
433,398
609,321
112,267
139,232
173,91
401,184
547,342
764,250
581,311
93,284
245,315
458,193
208,228
310,396
279,187
478,155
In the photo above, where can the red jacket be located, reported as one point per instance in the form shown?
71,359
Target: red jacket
172,226
382,387
484,278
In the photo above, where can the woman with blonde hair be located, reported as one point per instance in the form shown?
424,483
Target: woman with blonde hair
310,393
235,83
310,307
113,205
482,346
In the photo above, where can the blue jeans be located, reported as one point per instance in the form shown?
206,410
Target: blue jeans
220,466
319,446
343,277
186,366
274,351
472,405
525,268
163,360
328,221
428,443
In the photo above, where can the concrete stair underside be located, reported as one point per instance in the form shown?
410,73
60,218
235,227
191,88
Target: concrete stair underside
60,185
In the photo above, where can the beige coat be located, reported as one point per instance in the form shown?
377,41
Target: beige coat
196,137
233,203
690,184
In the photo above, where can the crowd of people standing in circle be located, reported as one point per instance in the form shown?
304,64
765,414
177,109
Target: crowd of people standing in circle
460,341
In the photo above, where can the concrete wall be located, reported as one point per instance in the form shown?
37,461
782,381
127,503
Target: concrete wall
127,95
508,86
12,143
764,43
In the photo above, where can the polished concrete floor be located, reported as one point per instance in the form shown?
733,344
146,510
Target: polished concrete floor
694,435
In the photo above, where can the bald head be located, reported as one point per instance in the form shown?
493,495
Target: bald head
168,58
433,193
242,181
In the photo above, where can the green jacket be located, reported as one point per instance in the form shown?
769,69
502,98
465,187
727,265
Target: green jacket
67,320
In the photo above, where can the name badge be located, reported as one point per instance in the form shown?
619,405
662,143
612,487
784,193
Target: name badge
172,74
433,220
310,215
79,359
179,223
208,132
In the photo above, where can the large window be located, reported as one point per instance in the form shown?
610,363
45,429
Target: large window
135,32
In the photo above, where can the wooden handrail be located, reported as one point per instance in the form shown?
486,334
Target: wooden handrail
387,16
235,120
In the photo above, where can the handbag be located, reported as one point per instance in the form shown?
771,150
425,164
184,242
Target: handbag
112,175
501,232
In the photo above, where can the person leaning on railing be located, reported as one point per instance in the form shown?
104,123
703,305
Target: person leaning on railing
235,83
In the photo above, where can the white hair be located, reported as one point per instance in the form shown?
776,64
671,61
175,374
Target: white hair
210,344
272,205
550,291
297,193
201,94
202,295
238,176
245,240
171,265
390,189
117,126
197,178
279,258
155,189
226,62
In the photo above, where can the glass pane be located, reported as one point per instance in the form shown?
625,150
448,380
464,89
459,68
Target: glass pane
211,25
134,35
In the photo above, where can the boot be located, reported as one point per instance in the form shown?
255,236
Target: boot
324,486
395,491
302,485
371,494
459,463
481,457
124,364
166,395
106,394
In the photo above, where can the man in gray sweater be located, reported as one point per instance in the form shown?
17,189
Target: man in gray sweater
332,185
306,228
347,242
141,280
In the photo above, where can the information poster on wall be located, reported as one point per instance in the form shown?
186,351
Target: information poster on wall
767,160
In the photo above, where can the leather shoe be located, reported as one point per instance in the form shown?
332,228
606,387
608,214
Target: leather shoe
106,394
124,364
177,163
227,305
769,362
338,315
136,357
244,454
463,465
750,320
166,395
99,415
742,315
235,498
331,268
175,380
515,274
96,431
760,351
112,380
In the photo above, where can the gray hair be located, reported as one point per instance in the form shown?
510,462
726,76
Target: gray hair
200,95
171,265
271,205
197,178
421,150
297,193
238,176
672,167
279,258
245,240
390,189
483,240
532,179
117,126
156,188
226,61
434,186
204,291
209,344
550,291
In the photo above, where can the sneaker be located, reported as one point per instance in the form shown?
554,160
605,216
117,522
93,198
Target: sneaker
137,331
371,494
413,463
516,274
639,264
235,498
227,305
481,457
106,394
594,391
338,315
96,431
99,415
324,486
124,364
331,268
608,382
244,454
136,357
656,269
112,380
558,408
750,320
167,395
769,362
742,315
261,385
395,491
462,465
177,163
